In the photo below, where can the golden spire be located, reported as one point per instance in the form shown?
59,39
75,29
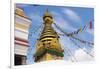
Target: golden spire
48,17
47,13
48,46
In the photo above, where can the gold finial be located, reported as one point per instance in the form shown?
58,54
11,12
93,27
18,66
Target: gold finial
48,17
47,13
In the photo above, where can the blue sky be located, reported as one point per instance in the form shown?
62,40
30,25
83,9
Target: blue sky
69,19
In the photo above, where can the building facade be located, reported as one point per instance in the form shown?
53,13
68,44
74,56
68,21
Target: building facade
22,23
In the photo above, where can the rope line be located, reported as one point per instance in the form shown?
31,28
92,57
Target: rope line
81,48
69,51
66,51
82,41
71,35
31,33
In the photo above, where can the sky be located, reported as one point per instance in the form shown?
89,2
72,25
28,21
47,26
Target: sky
69,19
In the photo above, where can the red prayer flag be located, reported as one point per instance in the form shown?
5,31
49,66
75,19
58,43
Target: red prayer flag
90,24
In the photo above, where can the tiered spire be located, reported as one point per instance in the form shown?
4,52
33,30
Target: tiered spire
48,45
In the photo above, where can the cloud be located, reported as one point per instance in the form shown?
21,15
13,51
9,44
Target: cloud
61,22
67,45
90,31
68,21
72,15
82,56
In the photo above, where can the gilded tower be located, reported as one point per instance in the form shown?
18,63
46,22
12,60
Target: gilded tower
48,46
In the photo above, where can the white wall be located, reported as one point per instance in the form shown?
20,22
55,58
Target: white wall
21,50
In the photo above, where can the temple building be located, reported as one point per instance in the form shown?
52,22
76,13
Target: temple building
21,23
48,46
